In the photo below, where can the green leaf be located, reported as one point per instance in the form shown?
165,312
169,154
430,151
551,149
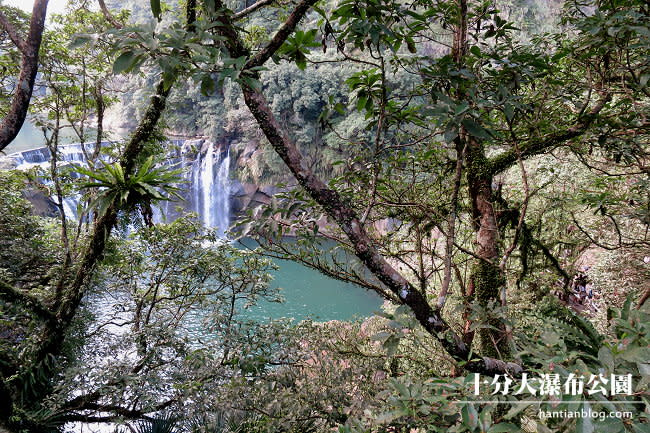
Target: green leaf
461,108
145,167
208,85
361,103
636,354
301,61
79,40
451,133
124,62
168,79
155,9
584,424
515,410
470,415
610,425
641,428
643,80
606,358
475,129
504,427
381,336
410,44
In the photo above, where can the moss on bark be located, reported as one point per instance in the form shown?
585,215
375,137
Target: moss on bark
488,280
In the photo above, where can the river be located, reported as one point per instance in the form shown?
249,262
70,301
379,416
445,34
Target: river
307,293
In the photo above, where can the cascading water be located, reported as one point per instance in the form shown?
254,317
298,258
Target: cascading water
206,184
207,191
210,188
222,195
40,158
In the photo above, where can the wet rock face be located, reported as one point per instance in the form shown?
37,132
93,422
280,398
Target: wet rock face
245,196
42,204
190,148
241,196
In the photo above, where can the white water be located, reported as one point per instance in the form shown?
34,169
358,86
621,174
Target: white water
222,195
39,158
207,191
209,176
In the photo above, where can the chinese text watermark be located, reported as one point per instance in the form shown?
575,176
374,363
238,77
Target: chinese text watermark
551,384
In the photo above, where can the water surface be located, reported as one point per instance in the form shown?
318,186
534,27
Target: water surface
310,294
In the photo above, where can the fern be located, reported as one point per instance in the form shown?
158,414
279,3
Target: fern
578,334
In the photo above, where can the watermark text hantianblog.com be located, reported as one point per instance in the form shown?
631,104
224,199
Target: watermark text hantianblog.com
582,413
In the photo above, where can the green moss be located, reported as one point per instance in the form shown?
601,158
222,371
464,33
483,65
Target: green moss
488,281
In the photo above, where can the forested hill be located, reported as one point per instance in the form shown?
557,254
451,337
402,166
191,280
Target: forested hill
299,97
482,168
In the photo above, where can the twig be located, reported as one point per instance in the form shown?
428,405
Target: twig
249,10
451,234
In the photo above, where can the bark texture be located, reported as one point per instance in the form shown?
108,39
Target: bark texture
487,278
15,117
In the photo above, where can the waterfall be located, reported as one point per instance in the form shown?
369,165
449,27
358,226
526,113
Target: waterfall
207,171
222,195
40,159
69,153
210,188
207,187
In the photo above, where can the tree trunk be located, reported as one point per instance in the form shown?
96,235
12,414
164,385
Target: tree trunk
486,276
15,118
337,209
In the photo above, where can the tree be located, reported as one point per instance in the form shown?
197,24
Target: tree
487,95
30,377
434,160
29,48
182,297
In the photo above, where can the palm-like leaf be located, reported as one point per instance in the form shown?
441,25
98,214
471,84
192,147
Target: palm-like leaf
146,186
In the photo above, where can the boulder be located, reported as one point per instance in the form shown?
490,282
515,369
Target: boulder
191,147
206,145
260,198
42,204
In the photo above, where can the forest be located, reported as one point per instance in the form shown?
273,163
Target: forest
468,181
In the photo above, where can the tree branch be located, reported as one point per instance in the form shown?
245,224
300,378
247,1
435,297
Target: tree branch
9,293
451,232
108,15
15,117
13,33
341,212
522,217
252,8
533,147
282,34
643,298
118,411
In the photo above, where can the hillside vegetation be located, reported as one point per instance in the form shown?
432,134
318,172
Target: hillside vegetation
482,166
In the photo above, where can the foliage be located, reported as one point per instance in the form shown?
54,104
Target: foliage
470,164
10,56
26,241
163,299
416,403
146,187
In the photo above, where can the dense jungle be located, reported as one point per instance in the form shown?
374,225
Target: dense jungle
398,216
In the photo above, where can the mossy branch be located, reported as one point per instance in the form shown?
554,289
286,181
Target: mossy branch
536,146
